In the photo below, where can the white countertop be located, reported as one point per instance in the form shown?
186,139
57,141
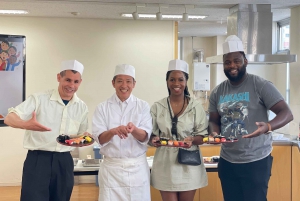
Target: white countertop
80,168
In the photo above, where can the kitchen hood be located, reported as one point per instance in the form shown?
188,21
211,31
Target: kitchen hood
252,23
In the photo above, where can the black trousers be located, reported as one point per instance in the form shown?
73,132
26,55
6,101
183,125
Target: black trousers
246,181
47,176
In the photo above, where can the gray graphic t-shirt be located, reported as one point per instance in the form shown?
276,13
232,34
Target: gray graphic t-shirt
240,107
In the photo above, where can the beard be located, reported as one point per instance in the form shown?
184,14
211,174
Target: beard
240,75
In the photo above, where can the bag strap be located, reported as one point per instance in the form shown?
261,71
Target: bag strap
174,119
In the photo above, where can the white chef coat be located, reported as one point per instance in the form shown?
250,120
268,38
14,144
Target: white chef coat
124,173
108,115
52,113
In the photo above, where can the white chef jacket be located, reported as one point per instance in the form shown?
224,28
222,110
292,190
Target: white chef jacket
108,115
52,113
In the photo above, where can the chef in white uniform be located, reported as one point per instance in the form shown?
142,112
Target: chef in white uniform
122,126
48,168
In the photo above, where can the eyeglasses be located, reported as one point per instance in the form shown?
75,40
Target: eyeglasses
174,126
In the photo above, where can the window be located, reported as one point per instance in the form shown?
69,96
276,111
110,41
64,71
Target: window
284,34
180,48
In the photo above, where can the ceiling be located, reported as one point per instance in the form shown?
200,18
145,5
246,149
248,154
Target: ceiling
216,10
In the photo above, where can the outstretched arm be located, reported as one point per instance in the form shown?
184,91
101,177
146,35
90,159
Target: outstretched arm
13,120
283,116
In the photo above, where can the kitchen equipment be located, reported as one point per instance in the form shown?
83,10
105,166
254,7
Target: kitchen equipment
252,23
75,160
91,162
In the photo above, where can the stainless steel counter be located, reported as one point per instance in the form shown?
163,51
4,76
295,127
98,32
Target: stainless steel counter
79,169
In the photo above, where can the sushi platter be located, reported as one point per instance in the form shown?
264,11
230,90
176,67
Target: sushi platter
219,139
211,160
172,143
78,141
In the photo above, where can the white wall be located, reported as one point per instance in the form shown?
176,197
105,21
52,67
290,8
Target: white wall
100,45
295,68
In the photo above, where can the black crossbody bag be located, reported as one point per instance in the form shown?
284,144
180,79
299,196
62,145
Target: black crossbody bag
185,156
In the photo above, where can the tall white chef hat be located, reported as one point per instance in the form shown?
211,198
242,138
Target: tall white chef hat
125,69
177,64
72,65
232,44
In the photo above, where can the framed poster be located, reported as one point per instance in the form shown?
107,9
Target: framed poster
12,72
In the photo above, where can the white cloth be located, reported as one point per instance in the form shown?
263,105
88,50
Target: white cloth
232,44
177,64
124,179
72,65
125,69
52,113
108,115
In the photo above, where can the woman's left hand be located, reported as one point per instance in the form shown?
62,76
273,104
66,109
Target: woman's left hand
189,141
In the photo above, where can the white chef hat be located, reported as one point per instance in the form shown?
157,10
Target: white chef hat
232,44
125,69
72,65
177,64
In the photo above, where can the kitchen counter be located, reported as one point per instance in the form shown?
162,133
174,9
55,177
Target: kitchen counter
275,143
79,169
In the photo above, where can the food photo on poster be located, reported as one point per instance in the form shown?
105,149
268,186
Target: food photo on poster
12,72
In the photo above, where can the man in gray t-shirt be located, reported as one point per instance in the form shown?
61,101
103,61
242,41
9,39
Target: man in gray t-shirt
239,108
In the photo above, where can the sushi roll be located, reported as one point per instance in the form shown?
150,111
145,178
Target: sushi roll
164,140
211,139
175,143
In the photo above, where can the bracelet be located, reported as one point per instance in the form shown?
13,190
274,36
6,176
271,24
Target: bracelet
269,128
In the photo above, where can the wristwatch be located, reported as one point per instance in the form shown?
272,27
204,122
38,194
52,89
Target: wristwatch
269,128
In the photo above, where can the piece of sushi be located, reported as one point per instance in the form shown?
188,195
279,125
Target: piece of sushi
62,138
69,142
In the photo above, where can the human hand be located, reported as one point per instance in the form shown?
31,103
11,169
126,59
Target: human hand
121,131
213,134
88,134
155,141
130,127
34,125
262,129
188,141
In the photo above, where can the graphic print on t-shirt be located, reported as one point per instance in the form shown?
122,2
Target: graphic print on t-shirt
233,109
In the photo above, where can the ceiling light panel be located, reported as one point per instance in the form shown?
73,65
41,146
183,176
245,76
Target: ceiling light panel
13,12
194,17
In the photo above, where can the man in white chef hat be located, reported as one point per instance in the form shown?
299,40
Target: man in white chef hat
48,168
245,166
122,126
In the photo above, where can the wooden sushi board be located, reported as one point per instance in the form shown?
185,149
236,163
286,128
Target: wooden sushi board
225,142
76,145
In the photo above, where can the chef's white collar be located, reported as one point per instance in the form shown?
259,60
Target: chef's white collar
119,101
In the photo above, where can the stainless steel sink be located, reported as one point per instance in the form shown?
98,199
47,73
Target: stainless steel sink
91,162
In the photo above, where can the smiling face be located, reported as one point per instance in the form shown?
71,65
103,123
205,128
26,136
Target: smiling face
123,85
235,67
4,46
176,82
4,56
11,51
68,84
